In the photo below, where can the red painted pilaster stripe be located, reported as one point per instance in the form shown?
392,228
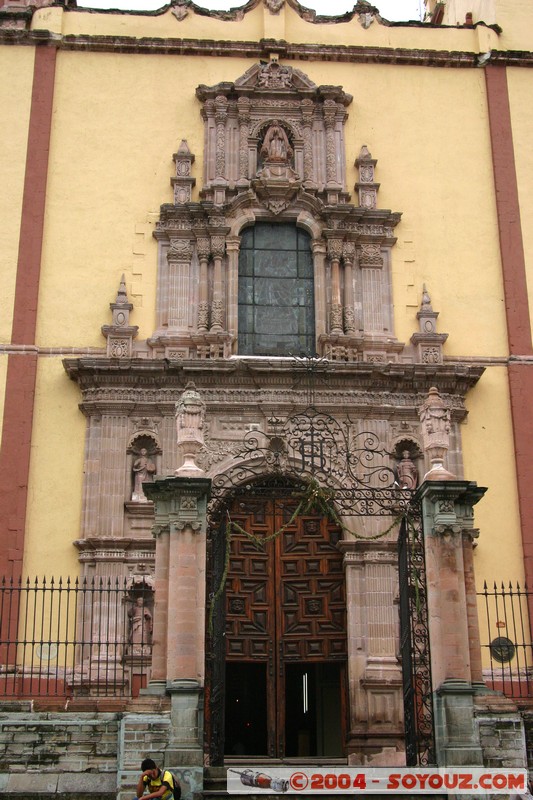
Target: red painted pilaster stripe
508,210
22,369
516,299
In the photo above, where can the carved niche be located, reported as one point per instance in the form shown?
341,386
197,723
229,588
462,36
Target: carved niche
241,115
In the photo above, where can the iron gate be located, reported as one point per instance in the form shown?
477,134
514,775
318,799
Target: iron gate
349,467
414,644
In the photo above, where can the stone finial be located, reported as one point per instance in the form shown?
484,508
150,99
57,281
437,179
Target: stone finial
366,187
120,333
426,340
190,413
183,183
436,422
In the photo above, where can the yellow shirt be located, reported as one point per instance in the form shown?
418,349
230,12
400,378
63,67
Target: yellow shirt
153,785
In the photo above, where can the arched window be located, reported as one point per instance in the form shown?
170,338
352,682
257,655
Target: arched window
276,293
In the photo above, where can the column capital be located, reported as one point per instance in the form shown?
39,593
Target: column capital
463,492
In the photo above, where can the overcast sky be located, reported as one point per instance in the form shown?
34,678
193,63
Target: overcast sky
390,9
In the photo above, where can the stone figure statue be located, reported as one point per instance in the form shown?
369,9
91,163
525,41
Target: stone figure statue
190,412
436,425
140,623
276,145
143,470
407,472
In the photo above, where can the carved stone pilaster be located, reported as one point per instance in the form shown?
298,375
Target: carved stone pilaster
308,110
243,105
221,114
330,111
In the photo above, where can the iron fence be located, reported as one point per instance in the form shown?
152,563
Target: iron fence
65,638
505,628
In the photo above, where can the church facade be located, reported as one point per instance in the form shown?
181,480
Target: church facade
204,279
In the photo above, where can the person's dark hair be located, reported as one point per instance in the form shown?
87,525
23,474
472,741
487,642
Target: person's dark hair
148,763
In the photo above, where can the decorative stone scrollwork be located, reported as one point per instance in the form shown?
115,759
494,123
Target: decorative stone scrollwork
431,355
349,320
203,315
274,6
217,314
118,348
218,246
221,113
203,247
336,317
273,75
370,256
335,249
180,250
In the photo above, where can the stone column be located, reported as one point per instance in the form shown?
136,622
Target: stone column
179,628
203,246
232,250
334,254
217,306
179,625
319,258
447,511
348,253
180,511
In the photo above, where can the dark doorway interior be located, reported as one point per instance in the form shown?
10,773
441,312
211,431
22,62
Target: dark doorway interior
313,723
246,709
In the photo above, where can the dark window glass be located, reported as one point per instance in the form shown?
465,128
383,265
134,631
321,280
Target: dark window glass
276,293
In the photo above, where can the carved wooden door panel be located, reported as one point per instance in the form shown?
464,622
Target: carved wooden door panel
285,605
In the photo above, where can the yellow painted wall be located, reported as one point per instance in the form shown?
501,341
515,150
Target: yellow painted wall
257,24
56,473
16,67
489,460
435,169
520,82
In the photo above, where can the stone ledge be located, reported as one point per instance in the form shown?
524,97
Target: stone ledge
81,786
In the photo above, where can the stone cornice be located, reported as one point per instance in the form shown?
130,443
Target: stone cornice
118,387
262,49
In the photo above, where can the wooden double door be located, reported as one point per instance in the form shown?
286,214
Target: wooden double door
285,632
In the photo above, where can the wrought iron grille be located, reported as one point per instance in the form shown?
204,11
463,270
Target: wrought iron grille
505,628
313,446
67,638
414,645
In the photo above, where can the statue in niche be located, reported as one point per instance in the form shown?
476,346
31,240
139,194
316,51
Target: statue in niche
143,471
141,623
276,145
407,472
